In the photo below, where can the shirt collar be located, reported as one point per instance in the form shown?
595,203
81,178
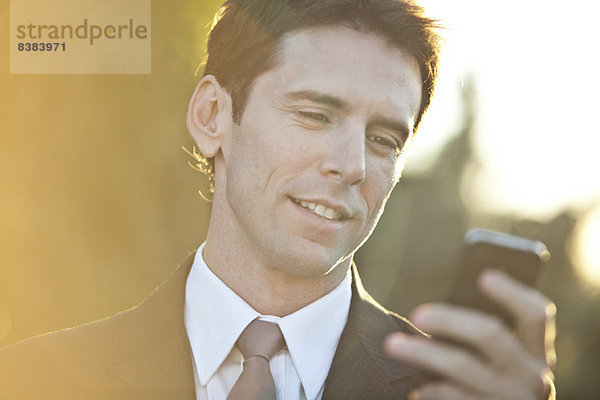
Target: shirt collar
215,316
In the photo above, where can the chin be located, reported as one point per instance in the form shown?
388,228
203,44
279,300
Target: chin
311,264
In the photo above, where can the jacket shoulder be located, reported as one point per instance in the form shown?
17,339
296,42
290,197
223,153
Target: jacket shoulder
68,358
405,325
139,353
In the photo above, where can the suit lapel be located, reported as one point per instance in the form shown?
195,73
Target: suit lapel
360,369
151,352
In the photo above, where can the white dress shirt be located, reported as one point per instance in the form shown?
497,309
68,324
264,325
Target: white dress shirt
215,316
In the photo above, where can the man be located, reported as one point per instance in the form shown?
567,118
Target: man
301,120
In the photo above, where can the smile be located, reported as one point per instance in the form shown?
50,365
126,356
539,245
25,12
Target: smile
319,209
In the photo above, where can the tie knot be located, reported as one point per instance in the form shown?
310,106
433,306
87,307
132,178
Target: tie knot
260,338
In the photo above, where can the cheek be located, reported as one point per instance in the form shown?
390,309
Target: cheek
381,179
247,151
257,160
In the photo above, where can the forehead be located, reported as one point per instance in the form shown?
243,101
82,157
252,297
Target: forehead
361,68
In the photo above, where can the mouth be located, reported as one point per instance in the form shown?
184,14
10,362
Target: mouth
320,210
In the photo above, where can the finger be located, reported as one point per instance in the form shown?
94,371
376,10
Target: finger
441,391
483,332
447,391
534,313
486,334
450,362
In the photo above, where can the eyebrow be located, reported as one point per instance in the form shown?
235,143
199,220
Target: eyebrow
318,97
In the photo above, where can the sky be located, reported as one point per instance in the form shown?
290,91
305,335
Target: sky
535,67
534,64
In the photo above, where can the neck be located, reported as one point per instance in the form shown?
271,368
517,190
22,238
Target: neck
267,289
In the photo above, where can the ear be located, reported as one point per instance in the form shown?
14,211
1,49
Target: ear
209,116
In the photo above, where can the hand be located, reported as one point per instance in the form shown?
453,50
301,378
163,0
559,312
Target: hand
496,363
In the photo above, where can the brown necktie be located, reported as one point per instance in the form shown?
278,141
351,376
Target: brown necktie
258,343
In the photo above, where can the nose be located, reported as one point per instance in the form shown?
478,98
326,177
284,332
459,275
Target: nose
344,156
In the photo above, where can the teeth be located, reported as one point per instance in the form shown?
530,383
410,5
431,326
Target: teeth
320,210
329,213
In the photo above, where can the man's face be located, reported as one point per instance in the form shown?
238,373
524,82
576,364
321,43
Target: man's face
316,153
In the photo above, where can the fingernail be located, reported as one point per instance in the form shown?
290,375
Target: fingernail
490,276
394,344
396,339
421,315
414,395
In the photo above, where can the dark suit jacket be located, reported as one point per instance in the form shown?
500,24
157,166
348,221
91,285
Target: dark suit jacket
144,353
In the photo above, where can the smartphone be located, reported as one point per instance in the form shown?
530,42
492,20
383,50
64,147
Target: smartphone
520,257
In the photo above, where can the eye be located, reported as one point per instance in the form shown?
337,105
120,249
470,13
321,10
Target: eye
386,143
313,116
